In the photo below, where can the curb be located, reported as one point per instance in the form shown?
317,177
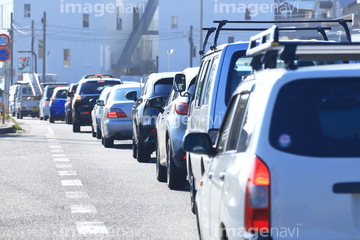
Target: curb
7,129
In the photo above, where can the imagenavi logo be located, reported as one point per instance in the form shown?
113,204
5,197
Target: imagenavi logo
253,9
99,9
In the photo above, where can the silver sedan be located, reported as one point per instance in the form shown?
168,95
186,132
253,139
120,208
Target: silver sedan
116,123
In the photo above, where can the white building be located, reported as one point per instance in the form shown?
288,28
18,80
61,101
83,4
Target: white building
119,37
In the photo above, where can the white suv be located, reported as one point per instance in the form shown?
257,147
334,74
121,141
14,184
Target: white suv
286,162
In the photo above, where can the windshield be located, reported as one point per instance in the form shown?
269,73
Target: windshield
95,87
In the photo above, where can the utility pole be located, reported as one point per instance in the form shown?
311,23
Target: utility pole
191,45
32,35
44,48
11,34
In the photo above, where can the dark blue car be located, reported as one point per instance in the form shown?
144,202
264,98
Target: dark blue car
57,104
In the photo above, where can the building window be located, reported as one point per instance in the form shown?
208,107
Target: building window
40,48
66,58
85,20
174,22
247,14
27,10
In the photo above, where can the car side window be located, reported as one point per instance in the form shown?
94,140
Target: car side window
200,83
226,126
238,135
205,95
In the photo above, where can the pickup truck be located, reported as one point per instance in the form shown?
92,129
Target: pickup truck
26,103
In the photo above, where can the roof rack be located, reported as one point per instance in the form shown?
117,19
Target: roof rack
320,29
266,46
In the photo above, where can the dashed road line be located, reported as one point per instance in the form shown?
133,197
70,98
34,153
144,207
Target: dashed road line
61,160
84,228
67,173
65,165
75,182
83,209
74,194
65,170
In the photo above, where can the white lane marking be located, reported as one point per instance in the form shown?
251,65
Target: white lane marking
91,228
73,194
59,155
61,160
67,173
65,165
83,209
54,146
75,182
50,130
51,135
57,150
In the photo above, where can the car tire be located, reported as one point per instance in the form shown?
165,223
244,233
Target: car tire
192,190
134,149
98,132
108,142
51,119
93,133
160,169
176,178
41,118
46,118
76,127
142,153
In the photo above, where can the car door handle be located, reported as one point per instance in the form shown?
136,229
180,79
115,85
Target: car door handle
347,187
222,176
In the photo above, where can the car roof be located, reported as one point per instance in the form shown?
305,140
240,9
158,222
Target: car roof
157,76
128,85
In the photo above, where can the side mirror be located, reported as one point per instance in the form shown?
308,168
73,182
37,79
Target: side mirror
92,101
156,102
100,102
199,143
131,95
179,82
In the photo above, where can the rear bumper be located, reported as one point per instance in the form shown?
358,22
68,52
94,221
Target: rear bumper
117,129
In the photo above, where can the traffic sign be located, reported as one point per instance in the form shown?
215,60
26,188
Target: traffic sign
4,40
4,54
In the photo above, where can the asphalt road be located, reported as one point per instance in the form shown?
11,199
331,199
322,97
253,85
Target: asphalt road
56,184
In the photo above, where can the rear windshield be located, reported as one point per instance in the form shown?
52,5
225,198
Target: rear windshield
163,86
95,87
318,117
61,94
119,94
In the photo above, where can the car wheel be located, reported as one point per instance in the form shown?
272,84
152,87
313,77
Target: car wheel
192,190
160,169
69,119
176,178
76,127
20,115
93,133
41,118
143,154
66,119
46,118
51,119
134,149
108,142
98,133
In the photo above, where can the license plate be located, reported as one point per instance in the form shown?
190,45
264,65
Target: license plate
35,109
86,106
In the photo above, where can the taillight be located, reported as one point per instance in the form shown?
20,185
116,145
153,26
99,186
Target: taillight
257,198
181,108
53,101
46,103
116,113
78,98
